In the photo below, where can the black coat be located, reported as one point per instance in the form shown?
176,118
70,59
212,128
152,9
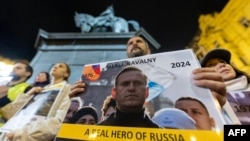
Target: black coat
119,118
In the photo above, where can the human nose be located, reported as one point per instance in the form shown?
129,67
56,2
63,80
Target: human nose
54,68
131,85
220,65
134,44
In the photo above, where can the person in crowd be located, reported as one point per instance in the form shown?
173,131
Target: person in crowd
203,77
85,115
219,59
108,107
197,111
21,72
47,128
76,104
173,118
235,80
42,79
130,92
137,46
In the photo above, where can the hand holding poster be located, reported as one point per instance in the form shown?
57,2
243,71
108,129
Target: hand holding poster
169,79
34,109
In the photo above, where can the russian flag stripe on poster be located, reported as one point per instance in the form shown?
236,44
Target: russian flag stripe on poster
77,132
236,132
92,72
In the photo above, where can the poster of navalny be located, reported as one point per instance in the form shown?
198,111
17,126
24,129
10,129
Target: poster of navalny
169,79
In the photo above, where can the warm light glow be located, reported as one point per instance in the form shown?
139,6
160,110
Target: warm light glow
5,69
193,138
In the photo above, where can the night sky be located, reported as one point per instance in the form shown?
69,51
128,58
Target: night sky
172,23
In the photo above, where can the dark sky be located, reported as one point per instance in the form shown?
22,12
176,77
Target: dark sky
172,23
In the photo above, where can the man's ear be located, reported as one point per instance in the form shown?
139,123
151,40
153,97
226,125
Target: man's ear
148,51
113,93
212,122
147,92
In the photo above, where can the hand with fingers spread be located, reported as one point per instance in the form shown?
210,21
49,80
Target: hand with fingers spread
209,78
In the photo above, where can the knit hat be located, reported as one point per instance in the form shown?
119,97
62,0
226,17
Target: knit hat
173,118
216,53
86,110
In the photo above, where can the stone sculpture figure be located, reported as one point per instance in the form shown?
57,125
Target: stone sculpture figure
105,22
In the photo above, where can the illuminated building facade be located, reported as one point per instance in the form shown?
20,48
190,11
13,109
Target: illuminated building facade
229,29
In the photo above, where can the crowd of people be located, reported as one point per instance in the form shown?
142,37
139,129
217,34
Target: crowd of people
126,106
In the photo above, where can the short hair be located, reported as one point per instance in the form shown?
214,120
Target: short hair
145,41
109,101
193,99
28,68
129,68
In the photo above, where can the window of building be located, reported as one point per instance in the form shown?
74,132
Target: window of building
245,22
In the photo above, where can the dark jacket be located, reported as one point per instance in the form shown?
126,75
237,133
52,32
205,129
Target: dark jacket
119,118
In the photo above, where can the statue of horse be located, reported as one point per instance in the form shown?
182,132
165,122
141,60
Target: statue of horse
106,22
84,21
